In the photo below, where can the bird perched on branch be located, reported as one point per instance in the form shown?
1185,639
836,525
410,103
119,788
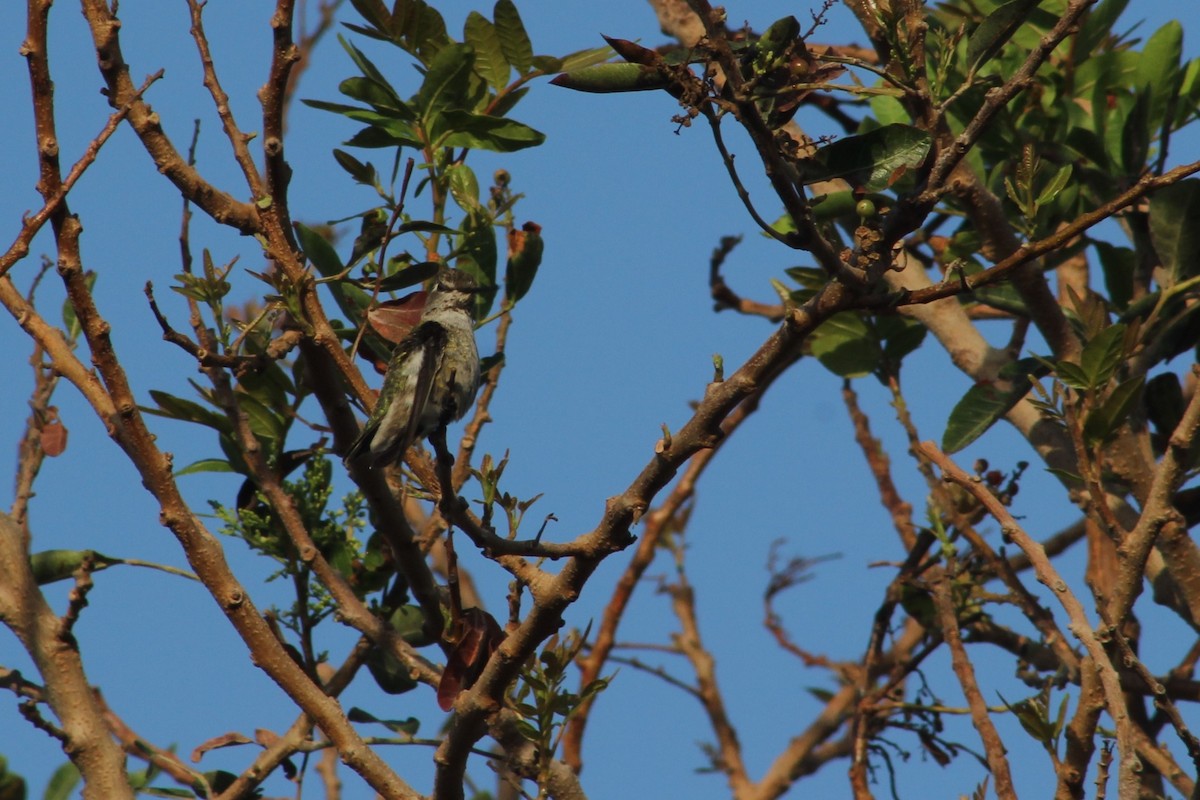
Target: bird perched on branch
432,376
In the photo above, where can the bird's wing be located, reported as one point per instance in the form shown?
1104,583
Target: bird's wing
431,338
425,343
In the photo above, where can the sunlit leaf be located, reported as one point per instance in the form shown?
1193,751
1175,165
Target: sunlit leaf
482,35
604,78
514,41
205,465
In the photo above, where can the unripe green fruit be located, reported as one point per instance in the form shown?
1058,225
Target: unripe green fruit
865,208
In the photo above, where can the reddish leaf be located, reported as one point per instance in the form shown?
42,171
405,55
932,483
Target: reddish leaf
265,737
224,740
479,636
54,434
634,52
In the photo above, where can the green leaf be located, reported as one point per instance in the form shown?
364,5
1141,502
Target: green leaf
605,78
424,226
1136,133
378,96
1104,421
409,622
1158,70
264,422
50,566
408,726
205,465
1118,264
396,134
996,29
985,403
1003,296
464,187
1175,228
409,276
174,407
1098,24
873,160
1102,355
1056,185
62,782
1072,375
390,674
318,250
70,321
359,171
12,785
846,346
900,335
514,41
482,132
481,34
1164,402
379,86
523,261
583,58
479,258
447,81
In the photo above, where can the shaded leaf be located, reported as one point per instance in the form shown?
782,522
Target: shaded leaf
390,674
380,97
985,403
177,408
483,132
996,29
1118,264
1102,355
318,250
873,160
1072,375
1164,402
1175,228
408,726
1104,421
477,638
846,346
446,83
359,171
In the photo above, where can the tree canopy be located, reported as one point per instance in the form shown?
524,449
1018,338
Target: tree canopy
910,512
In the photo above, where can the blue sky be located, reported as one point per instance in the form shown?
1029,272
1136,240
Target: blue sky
615,340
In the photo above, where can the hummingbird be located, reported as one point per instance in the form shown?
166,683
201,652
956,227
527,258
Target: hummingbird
432,376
